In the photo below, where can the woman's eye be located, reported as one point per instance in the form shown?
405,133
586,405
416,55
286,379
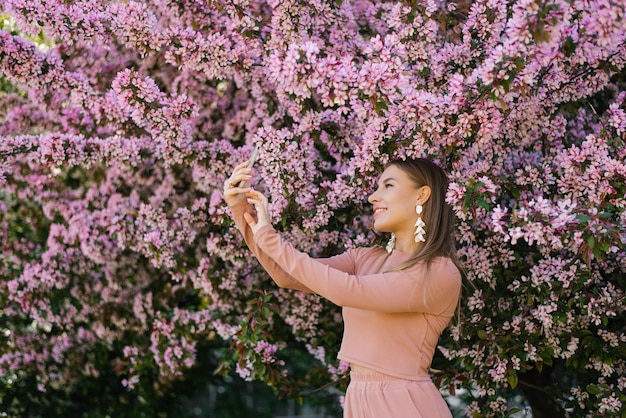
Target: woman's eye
388,185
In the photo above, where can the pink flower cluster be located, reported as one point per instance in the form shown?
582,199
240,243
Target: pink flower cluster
120,121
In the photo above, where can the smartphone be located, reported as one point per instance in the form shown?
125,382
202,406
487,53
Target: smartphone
252,159
251,162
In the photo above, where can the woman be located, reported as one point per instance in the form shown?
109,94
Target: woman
396,300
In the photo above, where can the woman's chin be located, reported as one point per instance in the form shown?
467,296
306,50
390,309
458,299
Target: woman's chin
380,229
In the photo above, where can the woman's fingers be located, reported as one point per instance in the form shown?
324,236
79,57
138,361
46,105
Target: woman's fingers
236,178
255,203
235,191
249,219
256,198
257,195
235,182
260,203
234,185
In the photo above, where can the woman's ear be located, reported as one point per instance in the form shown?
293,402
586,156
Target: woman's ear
423,194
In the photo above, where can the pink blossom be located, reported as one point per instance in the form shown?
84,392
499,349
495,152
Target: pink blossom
498,372
120,124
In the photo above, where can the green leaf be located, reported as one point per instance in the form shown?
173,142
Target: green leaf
483,204
593,389
569,46
604,246
591,242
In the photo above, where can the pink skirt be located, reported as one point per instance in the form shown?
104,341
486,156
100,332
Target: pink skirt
376,395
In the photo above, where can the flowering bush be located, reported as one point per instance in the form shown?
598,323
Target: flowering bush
121,120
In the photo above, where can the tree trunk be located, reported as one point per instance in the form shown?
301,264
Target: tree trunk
535,387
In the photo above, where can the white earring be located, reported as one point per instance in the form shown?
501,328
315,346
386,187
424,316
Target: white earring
420,233
391,244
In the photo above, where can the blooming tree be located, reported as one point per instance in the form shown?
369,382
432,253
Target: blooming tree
121,120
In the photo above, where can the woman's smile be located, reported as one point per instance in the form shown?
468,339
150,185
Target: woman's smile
378,210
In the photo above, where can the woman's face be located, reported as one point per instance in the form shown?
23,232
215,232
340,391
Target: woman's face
394,201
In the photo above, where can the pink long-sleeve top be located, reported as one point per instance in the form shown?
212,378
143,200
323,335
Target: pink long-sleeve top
392,319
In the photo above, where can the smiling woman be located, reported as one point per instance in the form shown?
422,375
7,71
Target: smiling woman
395,204
396,301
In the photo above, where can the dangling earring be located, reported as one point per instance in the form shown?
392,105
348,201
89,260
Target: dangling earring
391,244
420,233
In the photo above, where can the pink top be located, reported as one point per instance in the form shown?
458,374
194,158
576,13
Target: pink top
392,320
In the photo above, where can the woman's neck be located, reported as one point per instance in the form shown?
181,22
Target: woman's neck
405,242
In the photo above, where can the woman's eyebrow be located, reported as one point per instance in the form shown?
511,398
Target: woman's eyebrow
385,180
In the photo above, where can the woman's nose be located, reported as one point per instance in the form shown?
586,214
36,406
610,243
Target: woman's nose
373,198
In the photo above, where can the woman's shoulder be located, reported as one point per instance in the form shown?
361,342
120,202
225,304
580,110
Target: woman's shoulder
363,254
445,266
375,251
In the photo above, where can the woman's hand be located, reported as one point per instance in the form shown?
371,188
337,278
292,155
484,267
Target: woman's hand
259,201
236,185
236,190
